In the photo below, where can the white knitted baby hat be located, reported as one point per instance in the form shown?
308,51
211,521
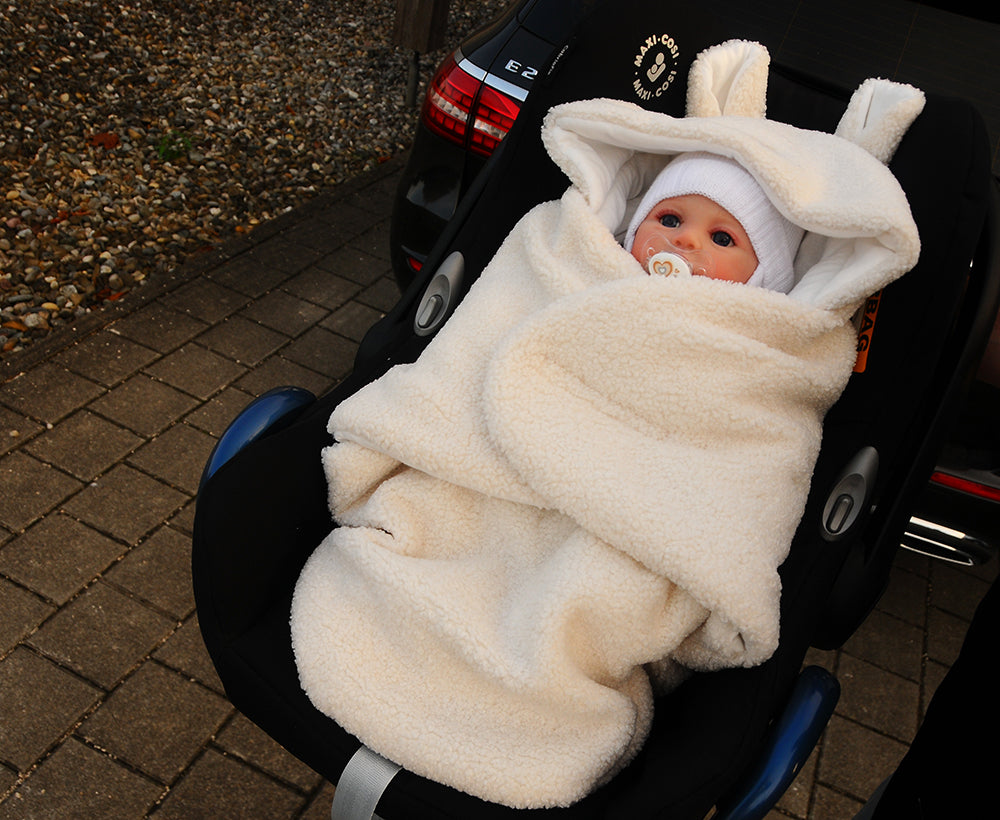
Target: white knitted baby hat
775,240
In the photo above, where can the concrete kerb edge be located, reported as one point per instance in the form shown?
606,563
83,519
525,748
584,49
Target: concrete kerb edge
17,364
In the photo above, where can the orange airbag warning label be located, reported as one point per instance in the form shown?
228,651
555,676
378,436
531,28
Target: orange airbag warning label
866,330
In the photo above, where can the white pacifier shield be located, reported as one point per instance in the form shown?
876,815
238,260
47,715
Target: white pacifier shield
665,263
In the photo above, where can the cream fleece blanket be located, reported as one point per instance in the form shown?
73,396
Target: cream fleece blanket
591,470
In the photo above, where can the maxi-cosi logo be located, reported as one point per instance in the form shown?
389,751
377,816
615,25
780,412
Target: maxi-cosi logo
655,66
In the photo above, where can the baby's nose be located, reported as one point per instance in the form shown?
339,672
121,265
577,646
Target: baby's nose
684,238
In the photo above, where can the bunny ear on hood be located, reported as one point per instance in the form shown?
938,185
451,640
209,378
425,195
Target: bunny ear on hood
729,80
879,113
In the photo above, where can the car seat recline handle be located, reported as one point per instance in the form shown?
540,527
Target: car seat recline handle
850,494
440,294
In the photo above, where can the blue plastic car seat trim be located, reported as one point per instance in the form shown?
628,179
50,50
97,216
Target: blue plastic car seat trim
789,744
260,416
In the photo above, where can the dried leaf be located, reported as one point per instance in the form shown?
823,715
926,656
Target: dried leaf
105,139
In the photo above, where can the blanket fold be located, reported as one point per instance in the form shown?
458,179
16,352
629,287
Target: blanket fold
589,469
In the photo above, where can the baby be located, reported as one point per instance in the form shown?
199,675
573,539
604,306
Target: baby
704,214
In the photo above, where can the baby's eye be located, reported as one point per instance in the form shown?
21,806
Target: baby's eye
723,239
670,220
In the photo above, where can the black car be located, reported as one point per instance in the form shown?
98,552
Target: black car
471,103
473,100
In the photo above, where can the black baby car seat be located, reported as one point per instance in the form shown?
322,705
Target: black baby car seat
262,508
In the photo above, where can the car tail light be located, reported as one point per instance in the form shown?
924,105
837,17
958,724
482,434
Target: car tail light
966,486
495,114
455,98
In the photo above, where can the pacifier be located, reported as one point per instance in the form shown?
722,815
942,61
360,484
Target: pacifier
665,263
663,258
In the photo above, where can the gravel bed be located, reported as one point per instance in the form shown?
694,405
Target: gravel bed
133,134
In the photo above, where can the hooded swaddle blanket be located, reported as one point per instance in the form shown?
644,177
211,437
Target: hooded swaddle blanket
591,469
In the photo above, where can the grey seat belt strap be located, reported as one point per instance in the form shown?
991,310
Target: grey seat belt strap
362,783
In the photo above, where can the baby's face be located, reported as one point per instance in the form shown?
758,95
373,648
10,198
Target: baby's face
694,223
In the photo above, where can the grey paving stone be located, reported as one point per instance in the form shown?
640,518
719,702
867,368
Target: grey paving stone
376,198
375,240
254,281
265,267
243,340
355,264
322,287
83,444
58,556
856,759
284,312
934,673
160,328
20,613
48,392
219,786
906,597
353,320
159,571
319,804
912,562
196,370
205,300
15,429
144,405
79,782
215,415
8,777
102,634
381,295
956,591
889,643
30,489
317,234
878,699
107,357
126,503
40,703
278,371
185,651
246,741
176,456
183,520
322,351
945,635
157,721
830,805
347,218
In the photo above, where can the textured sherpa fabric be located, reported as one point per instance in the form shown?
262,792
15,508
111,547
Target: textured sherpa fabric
589,469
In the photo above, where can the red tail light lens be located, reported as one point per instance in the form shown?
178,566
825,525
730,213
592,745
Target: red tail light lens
966,486
452,97
495,114
449,100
